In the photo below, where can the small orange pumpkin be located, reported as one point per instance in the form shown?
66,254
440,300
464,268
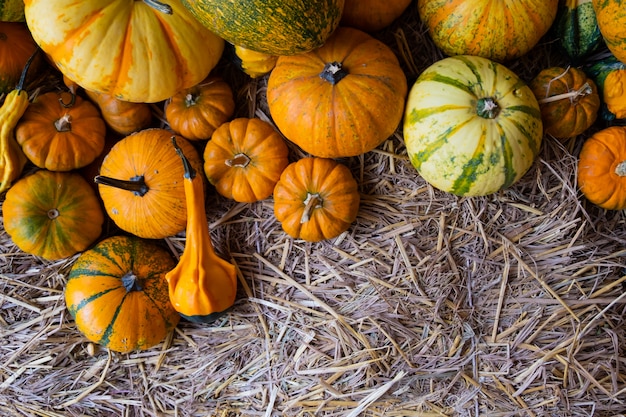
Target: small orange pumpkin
123,117
196,112
16,46
602,168
61,132
343,99
372,15
316,199
568,99
141,185
244,159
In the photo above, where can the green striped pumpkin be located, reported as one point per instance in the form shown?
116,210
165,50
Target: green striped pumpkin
118,296
11,10
577,29
472,126
273,27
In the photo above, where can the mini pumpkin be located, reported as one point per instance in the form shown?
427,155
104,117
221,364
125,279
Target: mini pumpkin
196,112
372,15
602,168
253,63
61,131
140,183
117,294
609,74
316,199
343,99
52,215
244,159
16,46
121,116
568,99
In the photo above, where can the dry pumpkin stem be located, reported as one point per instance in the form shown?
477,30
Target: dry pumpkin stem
431,305
137,185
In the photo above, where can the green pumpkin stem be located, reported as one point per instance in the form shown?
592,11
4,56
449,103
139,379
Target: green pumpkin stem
190,173
487,107
137,184
160,6
131,282
333,72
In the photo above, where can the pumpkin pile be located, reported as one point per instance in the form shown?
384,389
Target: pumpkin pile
143,123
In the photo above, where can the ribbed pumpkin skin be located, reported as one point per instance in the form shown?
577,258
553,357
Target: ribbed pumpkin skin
609,74
456,149
105,311
52,214
500,30
372,15
577,29
244,159
11,10
149,153
335,207
611,16
16,46
274,27
124,48
569,116
602,168
346,118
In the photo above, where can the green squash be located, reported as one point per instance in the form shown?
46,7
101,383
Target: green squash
576,28
273,27
472,126
12,10
609,74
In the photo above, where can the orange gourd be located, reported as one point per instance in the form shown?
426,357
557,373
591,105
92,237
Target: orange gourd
121,116
372,15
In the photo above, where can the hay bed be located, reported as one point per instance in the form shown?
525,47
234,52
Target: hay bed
429,305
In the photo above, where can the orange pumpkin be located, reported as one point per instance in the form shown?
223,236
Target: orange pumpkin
568,99
244,159
122,116
196,112
343,99
16,46
602,168
372,15
316,199
140,183
61,132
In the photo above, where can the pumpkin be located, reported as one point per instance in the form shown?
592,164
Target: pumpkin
611,17
244,159
343,99
61,132
11,11
52,215
16,46
609,74
196,112
372,15
140,183
117,294
497,30
568,100
576,29
121,116
274,27
472,126
602,168
253,63
138,51
202,286
316,199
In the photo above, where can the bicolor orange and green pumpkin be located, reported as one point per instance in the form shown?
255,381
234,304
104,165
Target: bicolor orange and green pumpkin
138,51
340,100
274,27
602,168
472,126
52,215
141,185
609,74
117,294
11,10
611,16
498,30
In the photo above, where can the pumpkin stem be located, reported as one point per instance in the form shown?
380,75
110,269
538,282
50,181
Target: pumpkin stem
240,160
191,99
487,107
159,6
333,72
136,184
53,214
190,173
64,123
573,96
131,282
311,202
71,103
620,169
20,83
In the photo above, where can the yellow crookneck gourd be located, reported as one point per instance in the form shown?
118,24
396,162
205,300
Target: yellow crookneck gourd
202,285
12,158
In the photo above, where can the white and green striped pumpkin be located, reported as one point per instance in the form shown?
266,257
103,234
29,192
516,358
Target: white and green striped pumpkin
472,126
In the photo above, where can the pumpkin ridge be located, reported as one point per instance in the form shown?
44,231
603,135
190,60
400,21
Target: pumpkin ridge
437,143
74,309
